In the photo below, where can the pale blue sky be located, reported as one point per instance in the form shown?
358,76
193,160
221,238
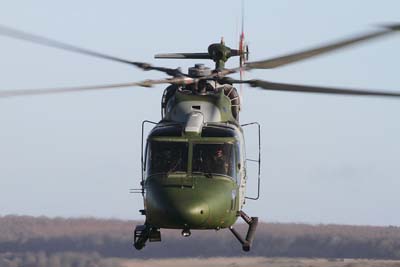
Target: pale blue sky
326,159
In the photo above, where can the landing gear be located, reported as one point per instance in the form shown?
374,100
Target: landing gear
252,222
143,233
152,234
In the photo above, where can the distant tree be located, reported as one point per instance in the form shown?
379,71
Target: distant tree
54,261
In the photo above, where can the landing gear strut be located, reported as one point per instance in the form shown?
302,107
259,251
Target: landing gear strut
252,222
143,233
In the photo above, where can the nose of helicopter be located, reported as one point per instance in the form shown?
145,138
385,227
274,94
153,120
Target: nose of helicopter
204,206
172,208
189,213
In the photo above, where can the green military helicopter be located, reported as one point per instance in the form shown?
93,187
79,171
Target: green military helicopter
193,161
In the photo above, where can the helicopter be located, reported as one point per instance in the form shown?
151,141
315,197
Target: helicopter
194,170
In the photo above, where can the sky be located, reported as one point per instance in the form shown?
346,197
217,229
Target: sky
325,159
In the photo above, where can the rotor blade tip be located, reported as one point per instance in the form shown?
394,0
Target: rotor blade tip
393,27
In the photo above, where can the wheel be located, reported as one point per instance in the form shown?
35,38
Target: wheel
246,246
138,246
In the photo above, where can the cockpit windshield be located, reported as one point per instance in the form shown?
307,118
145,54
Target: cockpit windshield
166,157
214,159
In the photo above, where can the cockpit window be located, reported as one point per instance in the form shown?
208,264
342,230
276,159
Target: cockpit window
166,157
169,130
211,131
214,159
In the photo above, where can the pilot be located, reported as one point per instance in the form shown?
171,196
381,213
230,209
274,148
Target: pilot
220,163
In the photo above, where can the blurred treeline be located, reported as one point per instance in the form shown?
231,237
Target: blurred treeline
89,240
65,259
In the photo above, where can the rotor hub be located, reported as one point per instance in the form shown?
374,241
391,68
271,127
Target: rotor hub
199,70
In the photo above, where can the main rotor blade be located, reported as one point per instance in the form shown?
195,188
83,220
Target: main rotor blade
183,56
318,89
305,54
47,91
17,34
20,35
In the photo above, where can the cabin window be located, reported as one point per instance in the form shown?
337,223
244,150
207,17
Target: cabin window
214,159
166,157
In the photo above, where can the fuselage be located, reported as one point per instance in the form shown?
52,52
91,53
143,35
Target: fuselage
194,167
